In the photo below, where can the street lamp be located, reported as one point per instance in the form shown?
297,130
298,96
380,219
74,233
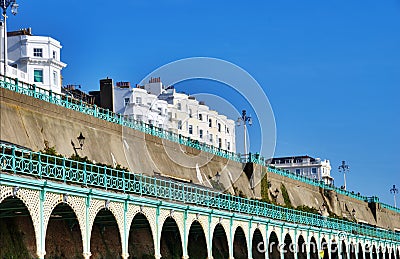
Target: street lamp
81,141
343,168
244,119
394,190
14,10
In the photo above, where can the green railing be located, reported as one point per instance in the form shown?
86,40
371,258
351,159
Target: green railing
25,162
107,115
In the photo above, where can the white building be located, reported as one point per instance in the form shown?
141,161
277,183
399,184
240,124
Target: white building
34,59
165,108
140,105
313,168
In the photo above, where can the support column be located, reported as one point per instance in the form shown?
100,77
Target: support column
231,239
124,243
41,246
249,242
157,237
294,241
281,246
86,247
308,244
210,235
185,237
266,245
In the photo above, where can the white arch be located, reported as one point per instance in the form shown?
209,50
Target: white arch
245,236
30,198
77,205
148,219
177,218
202,228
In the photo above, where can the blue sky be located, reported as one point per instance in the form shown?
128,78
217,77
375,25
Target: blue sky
331,69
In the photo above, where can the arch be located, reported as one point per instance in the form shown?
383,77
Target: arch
324,248
352,250
17,232
392,254
301,248
105,239
288,251
197,245
140,240
257,245
367,252
63,233
360,251
31,200
75,203
313,249
239,244
220,246
380,253
334,249
387,255
273,246
374,252
170,241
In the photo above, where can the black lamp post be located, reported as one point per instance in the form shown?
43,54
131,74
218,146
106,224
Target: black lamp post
81,141
218,177
14,10
393,191
245,120
343,168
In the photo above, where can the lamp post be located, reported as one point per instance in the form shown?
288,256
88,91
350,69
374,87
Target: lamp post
245,120
343,168
14,10
81,141
394,190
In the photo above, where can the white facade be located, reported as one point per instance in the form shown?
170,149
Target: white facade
176,112
141,106
313,168
34,59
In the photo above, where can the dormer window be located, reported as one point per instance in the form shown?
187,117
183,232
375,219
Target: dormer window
38,52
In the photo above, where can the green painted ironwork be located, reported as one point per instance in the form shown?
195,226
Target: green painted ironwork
25,162
107,115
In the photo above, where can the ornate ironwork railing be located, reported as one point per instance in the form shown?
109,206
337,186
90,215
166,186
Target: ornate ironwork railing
21,161
107,115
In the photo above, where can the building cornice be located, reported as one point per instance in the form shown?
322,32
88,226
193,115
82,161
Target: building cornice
43,61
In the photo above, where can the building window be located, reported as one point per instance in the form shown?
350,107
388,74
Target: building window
190,113
179,124
209,123
219,127
54,55
38,52
126,101
220,143
139,117
38,75
138,100
190,129
297,171
170,116
314,171
201,133
226,129
200,116
229,145
211,138
55,78
179,105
